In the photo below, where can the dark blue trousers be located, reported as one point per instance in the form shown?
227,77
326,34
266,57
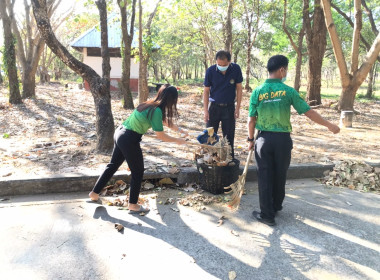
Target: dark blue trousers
224,114
273,154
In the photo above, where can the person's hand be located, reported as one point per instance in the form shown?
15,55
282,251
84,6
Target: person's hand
334,128
237,113
251,145
207,117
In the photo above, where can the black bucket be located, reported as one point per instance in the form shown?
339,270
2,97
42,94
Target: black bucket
213,178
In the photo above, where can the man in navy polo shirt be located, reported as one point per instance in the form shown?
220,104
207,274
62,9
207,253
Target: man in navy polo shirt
223,84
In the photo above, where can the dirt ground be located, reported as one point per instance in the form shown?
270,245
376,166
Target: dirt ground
55,134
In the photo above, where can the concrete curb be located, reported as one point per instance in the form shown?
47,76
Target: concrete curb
84,182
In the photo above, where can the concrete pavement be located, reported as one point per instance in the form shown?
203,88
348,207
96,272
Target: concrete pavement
322,233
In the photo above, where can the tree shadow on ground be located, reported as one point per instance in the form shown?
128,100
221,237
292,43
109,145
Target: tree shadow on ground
295,248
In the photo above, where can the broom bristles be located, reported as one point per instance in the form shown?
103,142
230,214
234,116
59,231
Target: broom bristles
237,188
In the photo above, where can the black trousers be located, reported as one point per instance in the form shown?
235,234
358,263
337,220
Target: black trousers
225,115
273,154
127,147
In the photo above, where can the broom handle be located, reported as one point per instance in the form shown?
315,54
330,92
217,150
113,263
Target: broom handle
248,161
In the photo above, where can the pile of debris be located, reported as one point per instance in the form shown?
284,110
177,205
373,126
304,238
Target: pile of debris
354,175
218,154
198,200
120,187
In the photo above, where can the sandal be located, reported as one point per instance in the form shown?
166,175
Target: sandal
141,210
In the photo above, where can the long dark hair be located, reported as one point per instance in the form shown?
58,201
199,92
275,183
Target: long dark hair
166,99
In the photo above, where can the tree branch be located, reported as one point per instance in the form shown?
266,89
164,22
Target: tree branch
339,56
369,60
365,42
286,30
370,16
356,36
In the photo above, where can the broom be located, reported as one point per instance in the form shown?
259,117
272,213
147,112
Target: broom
237,188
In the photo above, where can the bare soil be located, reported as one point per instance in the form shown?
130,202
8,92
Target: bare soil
55,134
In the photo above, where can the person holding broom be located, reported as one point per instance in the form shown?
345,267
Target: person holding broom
150,114
269,113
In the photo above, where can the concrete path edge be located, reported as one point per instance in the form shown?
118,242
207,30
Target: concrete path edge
84,182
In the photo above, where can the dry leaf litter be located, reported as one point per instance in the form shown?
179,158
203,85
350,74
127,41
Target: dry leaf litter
218,154
355,175
55,133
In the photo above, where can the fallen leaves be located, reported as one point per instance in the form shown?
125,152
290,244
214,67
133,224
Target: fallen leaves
198,200
355,175
221,221
235,233
36,122
232,275
118,188
165,181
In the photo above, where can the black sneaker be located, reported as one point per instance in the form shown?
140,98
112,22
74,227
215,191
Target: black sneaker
269,222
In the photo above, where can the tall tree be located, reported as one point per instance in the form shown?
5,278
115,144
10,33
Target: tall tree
252,18
296,46
316,46
99,86
31,45
228,27
375,32
350,80
371,81
127,38
145,48
9,55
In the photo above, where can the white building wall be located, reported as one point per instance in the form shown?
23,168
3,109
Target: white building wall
95,63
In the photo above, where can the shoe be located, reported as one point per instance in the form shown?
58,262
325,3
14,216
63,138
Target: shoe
141,210
269,222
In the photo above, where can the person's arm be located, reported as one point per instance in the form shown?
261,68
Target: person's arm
239,94
161,135
175,127
317,118
206,96
251,131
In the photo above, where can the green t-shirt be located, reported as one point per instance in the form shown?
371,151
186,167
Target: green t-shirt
270,103
139,122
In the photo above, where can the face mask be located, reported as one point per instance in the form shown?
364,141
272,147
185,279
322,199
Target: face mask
222,68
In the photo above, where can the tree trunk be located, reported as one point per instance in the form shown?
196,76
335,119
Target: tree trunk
228,27
297,79
1,78
29,50
28,84
370,82
350,81
105,126
162,75
100,87
156,72
347,97
144,54
9,56
126,77
316,45
248,70
127,98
